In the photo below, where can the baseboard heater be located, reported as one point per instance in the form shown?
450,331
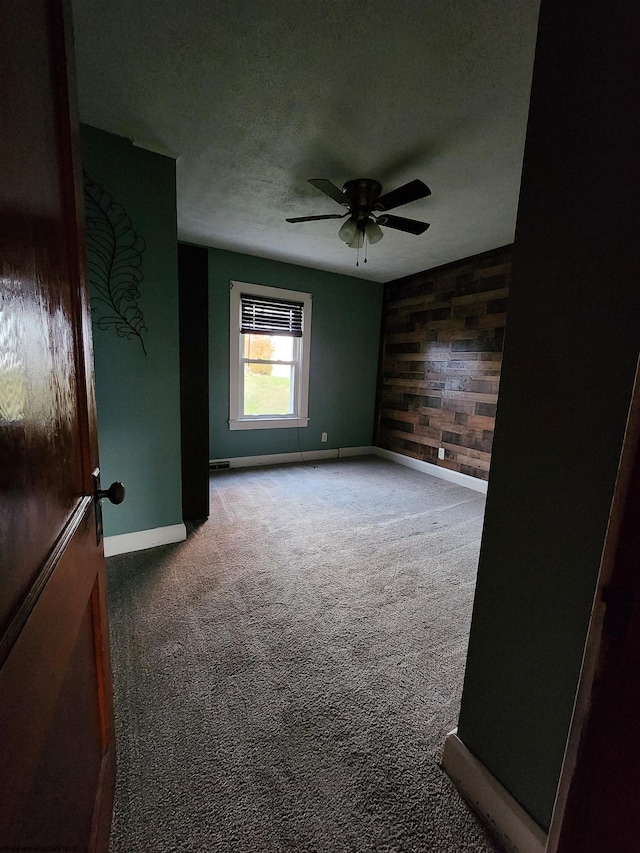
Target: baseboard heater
284,458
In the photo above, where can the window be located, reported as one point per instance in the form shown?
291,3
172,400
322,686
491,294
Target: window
270,337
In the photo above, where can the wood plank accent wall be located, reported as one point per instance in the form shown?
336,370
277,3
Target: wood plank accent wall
441,354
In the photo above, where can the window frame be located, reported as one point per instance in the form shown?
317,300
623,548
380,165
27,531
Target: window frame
302,349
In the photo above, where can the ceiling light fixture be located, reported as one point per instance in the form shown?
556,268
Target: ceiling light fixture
362,197
353,232
373,231
348,230
357,241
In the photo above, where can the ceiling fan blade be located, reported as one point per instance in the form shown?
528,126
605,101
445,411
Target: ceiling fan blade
329,189
411,226
402,195
313,218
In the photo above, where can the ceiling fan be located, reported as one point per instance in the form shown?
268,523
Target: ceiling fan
367,209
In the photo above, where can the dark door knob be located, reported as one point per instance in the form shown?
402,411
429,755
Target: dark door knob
114,494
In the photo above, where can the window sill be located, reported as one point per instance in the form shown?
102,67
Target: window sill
268,423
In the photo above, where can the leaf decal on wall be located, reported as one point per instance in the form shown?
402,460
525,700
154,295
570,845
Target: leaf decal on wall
114,254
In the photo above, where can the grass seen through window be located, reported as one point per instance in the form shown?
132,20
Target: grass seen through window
266,395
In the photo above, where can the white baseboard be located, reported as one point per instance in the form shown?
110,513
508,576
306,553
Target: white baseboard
280,458
435,470
123,543
504,816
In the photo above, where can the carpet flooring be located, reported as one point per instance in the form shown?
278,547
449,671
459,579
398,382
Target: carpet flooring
284,679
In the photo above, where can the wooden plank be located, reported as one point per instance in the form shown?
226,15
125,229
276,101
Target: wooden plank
450,387
418,439
428,432
469,457
451,464
479,422
469,395
396,415
492,321
482,297
405,337
498,269
419,299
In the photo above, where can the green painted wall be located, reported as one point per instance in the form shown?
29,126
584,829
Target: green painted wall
344,357
138,395
571,348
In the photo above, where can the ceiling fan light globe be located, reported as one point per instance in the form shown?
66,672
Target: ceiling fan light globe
373,231
348,230
358,239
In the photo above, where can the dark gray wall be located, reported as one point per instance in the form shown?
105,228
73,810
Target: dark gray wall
138,393
193,285
345,334
572,341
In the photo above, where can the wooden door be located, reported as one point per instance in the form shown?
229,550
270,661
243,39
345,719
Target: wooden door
57,762
598,803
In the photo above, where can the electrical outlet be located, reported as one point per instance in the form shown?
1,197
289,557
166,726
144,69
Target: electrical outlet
441,453
324,436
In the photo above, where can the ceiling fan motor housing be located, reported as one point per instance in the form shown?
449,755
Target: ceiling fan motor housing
362,194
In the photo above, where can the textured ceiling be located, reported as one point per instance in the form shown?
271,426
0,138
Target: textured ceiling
255,97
